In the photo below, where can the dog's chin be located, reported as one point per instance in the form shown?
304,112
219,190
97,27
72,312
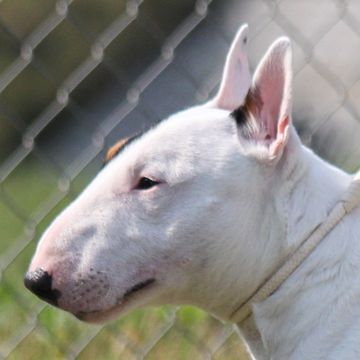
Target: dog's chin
101,316
136,297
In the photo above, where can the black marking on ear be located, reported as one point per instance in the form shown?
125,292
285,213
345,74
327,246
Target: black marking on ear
247,115
250,108
119,147
243,120
240,115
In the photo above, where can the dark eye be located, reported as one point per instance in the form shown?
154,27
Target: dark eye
146,183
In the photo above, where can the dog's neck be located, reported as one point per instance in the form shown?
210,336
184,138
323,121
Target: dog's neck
309,189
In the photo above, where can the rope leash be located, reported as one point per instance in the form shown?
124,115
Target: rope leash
349,201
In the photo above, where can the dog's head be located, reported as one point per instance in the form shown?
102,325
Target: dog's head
174,212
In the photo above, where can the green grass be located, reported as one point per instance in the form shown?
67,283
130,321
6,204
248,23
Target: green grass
35,331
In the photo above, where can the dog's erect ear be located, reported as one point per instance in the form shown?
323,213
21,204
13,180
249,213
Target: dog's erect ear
266,114
236,77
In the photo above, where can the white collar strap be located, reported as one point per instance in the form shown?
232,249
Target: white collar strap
349,201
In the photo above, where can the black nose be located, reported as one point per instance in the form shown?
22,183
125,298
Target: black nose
39,282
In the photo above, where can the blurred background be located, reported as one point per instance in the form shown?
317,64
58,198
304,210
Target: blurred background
75,76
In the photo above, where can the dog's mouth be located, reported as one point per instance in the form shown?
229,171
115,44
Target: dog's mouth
137,287
131,293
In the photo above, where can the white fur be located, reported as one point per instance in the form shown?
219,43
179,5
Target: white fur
228,209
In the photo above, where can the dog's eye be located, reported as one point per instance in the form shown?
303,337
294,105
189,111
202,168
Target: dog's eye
146,183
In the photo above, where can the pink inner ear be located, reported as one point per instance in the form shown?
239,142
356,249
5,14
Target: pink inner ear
281,136
272,92
283,126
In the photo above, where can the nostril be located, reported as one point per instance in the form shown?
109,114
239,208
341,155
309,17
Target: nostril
39,282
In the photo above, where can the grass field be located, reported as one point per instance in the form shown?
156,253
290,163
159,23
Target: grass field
31,330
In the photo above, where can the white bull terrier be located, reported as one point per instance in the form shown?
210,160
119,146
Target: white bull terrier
202,209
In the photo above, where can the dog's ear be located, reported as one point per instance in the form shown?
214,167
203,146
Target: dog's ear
236,77
266,113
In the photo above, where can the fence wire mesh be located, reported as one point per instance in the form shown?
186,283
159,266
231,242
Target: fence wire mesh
77,75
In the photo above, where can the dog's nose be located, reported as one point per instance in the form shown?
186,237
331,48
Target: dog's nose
39,282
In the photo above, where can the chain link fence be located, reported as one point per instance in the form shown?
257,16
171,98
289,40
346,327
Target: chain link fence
75,76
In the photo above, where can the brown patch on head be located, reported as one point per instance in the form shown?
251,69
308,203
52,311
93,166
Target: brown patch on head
115,149
119,146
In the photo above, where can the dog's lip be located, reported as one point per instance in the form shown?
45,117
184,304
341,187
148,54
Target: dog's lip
129,293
